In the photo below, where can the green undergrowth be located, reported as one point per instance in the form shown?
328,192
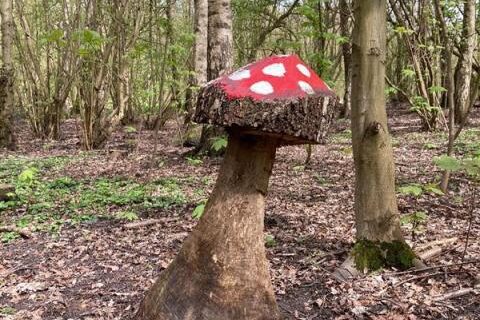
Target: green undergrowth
374,255
11,167
343,137
468,143
41,203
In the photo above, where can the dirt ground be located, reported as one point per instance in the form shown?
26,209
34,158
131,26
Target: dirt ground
100,269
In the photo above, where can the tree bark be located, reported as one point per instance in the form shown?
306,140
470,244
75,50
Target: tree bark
376,210
347,57
463,74
220,38
200,64
220,58
7,138
221,271
201,42
450,86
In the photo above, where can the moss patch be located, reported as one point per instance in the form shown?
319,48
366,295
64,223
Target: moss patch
374,255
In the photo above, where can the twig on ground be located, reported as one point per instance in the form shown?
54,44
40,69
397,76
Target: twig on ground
141,224
429,254
437,243
470,221
476,261
454,294
417,278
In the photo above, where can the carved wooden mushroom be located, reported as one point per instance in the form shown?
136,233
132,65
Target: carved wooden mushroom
221,271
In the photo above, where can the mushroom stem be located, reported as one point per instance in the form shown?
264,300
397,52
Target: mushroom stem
221,271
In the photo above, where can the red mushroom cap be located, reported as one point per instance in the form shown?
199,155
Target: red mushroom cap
283,77
279,96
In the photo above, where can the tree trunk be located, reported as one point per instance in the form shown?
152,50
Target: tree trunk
220,38
347,57
200,66
7,138
221,271
199,55
201,42
450,86
463,74
220,57
376,209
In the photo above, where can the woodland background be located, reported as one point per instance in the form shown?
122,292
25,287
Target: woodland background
96,99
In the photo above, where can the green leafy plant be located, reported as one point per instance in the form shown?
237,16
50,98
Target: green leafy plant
198,211
408,73
430,146
219,144
126,215
437,89
471,166
270,241
7,311
416,220
194,161
321,180
414,189
8,237
28,176
130,129
433,188
63,183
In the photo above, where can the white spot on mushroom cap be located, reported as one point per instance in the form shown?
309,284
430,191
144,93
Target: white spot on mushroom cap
304,70
306,87
262,87
275,70
240,75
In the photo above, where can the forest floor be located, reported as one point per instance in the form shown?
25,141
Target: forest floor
87,261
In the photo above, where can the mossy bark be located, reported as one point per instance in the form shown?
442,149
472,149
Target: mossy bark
371,256
221,271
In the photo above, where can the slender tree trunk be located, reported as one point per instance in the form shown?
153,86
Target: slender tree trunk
220,38
463,74
221,271
201,42
200,46
200,67
347,56
220,58
376,211
450,84
7,138
459,83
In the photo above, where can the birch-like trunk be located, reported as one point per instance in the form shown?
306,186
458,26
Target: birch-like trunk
201,42
220,58
220,38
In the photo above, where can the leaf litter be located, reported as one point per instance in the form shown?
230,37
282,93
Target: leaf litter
100,269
